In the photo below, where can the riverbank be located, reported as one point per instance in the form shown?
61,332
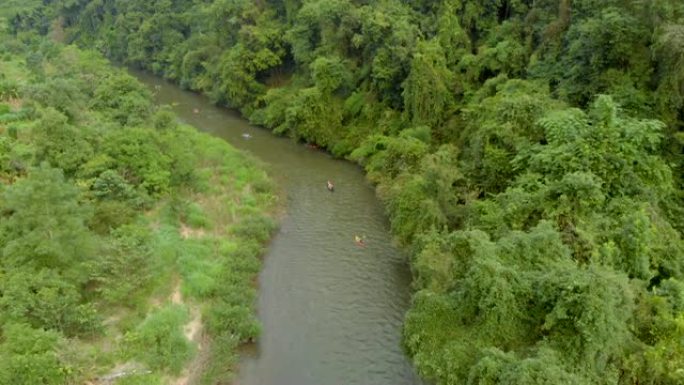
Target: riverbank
158,230
215,235
331,311
224,229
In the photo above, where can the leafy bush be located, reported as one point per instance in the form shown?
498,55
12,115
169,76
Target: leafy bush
254,227
29,356
159,341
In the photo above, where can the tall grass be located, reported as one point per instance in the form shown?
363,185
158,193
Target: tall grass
226,220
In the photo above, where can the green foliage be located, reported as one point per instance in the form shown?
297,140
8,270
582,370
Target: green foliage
670,51
59,93
610,39
384,156
46,299
87,247
562,287
159,341
502,121
140,158
121,98
427,93
29,356
44,224
61,145
330,74
313,116
141,379
543,215
225,351
13,7
8,89
128,266
255,227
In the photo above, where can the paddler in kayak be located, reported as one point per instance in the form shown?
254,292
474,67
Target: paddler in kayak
331,186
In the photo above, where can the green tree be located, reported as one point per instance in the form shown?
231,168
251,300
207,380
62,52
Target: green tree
44,225
427,90
29,356
140,158
60,144
121,98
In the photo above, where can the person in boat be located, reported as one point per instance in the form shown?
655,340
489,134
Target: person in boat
331,186
359,240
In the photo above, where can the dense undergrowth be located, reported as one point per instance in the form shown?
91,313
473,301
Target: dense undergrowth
127,241
529,154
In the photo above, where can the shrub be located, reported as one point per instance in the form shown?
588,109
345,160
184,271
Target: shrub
159,341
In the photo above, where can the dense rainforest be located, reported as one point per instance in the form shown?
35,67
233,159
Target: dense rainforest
129,243
529,154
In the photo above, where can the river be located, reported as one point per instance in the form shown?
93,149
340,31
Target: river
331,311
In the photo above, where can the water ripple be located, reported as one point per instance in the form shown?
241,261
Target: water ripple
331,311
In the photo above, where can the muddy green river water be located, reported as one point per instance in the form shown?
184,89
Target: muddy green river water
331,311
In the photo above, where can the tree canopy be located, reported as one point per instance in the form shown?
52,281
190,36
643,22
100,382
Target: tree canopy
529,155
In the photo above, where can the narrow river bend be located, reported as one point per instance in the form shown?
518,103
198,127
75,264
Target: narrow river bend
331,311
